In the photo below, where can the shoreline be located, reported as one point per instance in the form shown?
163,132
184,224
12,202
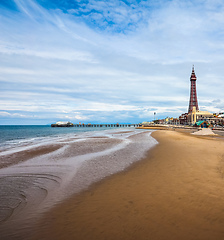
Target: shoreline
176,192
43,177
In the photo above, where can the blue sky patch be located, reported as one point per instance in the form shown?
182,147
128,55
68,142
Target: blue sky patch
108,61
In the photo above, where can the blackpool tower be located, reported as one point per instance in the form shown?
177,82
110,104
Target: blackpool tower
193,95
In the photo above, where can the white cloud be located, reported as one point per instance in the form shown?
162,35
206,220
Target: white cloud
58,62
10,70
14,115
63,55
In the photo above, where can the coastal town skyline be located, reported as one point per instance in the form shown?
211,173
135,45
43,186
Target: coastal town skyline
108,61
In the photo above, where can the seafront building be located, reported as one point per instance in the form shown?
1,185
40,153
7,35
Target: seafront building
62,124
194,117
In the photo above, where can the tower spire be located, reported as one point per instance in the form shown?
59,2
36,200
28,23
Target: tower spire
193,93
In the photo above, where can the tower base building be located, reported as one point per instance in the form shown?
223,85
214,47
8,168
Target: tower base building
197,115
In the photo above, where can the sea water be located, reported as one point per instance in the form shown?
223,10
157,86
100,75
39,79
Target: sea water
15,134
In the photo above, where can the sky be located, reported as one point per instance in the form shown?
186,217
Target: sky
111,61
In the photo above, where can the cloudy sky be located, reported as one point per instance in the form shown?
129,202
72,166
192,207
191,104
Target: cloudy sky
108,61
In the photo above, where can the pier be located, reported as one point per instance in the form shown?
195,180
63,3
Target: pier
83,125
106,125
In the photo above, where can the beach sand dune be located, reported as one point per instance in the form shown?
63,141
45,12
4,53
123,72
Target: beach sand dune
177,192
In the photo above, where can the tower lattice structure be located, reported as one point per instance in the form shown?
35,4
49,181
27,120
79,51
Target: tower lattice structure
193,95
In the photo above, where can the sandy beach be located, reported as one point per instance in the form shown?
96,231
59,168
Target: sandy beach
176,192
35,176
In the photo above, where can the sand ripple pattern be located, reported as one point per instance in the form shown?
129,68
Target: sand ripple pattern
39,175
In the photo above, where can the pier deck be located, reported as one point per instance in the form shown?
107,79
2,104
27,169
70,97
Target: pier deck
106,125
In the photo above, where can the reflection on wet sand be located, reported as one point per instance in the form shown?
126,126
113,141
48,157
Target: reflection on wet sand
39,176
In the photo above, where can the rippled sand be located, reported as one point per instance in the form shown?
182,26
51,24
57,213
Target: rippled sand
175,193
36,177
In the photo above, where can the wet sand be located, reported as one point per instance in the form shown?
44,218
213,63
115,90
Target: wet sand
37,176
176,192
18,157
